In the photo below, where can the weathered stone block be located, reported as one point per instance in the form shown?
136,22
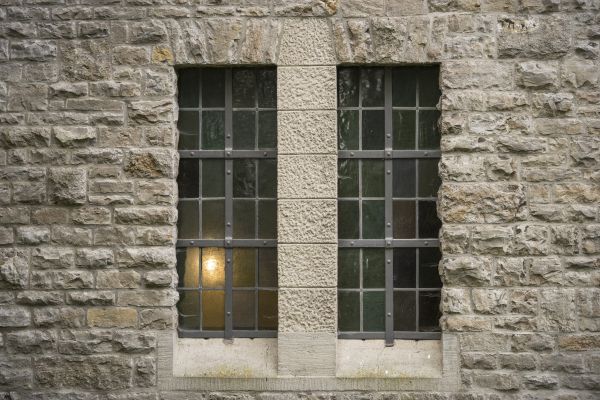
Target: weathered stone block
112,317
307,310
91,372
148,298
14,317
306,42
85,60
67,186
306,88
307,221
28,342
533,37
307,176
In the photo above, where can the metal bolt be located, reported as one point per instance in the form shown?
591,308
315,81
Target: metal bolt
228,172
191,242
389,224
265,154
351,243
228,313
389,243
228,136
426,243
228,153
265,242
389,314
228,260
389,171
389,261
192,153
389,153
425,153
351,154
229,224
388,135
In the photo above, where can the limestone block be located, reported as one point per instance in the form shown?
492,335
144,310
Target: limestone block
537,74
306,354
481,203
67,317
306,88
306,132
91,298
67,185
85,60
14,317
306,42
307,221
148,298
466,270
406,7
307,265
27,342
152,257
14,268
306,176
116,279
261,41
533,37
112,317
52,257
101,372
307,310
480,74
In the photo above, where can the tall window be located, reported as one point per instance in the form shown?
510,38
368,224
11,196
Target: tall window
388,281
227,224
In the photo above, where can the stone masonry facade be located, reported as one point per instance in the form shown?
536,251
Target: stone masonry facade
88,162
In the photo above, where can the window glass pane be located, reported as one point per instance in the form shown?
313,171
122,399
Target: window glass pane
374,311
188,267
243,309
188,126
213,87
372,87
244,88
244,219
404,178
429,224
405,267
404,87
349,268
348,178
348,311
348,87
244,178
374,268
244,267
267,267
267,88
348,219
404,129
213,178
188,181
267,129
373,178
213,219
429,90
213,130
373,219
188,219
213,310
429,180
429,311
267,219
429,276
188,86
348,130
267,179
405,311
429,135
244,130
404,219
189,309
213,267
373,130
267,310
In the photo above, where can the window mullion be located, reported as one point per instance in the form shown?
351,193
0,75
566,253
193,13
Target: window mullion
228,207
389,233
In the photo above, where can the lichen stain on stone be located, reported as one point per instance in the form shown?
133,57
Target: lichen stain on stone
331,5
143,165
162,54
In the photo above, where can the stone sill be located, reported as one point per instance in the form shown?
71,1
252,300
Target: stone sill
251,364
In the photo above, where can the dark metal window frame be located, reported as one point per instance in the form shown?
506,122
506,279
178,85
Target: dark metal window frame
228,243
389,243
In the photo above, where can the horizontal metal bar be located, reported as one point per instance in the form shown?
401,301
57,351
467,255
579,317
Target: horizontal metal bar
397,335
221,334
209,289
387,154
382,108
228,154
378,198
388,243
394,289
223,109
227,243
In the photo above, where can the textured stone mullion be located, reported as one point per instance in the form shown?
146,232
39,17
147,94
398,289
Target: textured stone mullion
307,182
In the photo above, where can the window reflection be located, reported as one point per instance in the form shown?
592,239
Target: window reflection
213,267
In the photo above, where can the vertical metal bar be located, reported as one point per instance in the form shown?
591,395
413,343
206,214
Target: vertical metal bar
200,147
228,206
417,256
389,233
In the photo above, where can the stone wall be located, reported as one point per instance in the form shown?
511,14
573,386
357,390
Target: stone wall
88,162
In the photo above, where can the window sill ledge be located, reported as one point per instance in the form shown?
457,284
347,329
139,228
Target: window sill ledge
251,364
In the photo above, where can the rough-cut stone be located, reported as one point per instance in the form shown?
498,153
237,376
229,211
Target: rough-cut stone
295,303
306,88
67,186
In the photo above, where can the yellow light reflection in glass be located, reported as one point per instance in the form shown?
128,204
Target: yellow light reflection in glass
191,275
213,267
